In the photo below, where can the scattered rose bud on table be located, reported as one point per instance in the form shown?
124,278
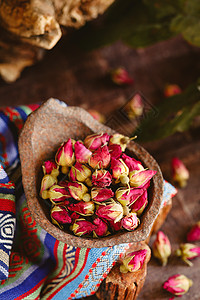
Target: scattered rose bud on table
133,261
161,247
178,284
180,173
135,107
94,188
121,77
171,90
187,252
194,233
97,115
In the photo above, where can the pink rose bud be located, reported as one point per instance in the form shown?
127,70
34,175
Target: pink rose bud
177,284
78,191
115,226
79,172
133,261
60,215
161,248
101,178
97,115
82,154
82,227
132,163
83,208
101,228
74,216
194,233
171,90
47,182
128,196
99,194
115,150
65,156
56,194
135,107
139,205
130,222
120,171
50,167
187,252
140,178
121,77
180,173
121,140
94,141
100,158
111,211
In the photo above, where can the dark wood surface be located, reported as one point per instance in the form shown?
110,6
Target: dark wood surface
81,79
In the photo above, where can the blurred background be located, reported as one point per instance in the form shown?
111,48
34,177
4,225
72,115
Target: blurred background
99,55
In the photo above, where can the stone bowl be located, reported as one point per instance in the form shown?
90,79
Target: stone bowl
43,132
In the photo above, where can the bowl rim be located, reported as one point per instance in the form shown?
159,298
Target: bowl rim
27,162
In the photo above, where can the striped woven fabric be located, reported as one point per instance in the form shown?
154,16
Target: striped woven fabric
33,264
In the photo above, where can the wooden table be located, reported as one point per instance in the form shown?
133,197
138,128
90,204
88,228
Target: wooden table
81,79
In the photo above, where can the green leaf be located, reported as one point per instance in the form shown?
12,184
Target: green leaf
140,23
131,21
187,21
175,114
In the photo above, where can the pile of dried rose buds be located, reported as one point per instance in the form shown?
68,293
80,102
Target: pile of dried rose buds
94,188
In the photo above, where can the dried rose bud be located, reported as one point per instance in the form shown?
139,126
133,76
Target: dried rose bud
94,141
115,226
177,284
120,139
101,178
50,167
63,183
60,215
97,115
78,191
133,261
82,227
135,107
56,194
120,171
115,150
139,205
121,77
74,216
47,182
112,211
79,172
65,156
101,228
100,158
140,178
171,90
194,233
82,154
187,252
99,194
161,247
180,173
130,222
83,208
132,163
128,196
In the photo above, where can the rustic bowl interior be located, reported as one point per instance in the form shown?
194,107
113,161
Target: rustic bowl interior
43,132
